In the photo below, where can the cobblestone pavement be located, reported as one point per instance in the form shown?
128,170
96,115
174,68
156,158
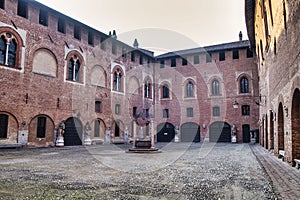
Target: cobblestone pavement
285,179
180,171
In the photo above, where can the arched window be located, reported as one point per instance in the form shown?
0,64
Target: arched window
147,89
244,85
8,50
165,91
117,84
74,66
215,87
190,89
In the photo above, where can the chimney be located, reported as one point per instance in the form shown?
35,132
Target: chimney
241,36
109,33
135,44
114,34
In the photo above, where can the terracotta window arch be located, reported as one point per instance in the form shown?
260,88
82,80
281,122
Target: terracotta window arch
73,68
215,87
244,85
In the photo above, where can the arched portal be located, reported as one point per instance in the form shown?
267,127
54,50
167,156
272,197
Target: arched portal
266,133
296,125
190,132
219,132
166,132
73,132
271,130
280,127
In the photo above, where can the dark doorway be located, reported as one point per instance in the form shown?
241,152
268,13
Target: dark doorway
166,132
296,125
271,130
280,128
117,129
246,133
3,125
266,133
190,132
73,132
220,132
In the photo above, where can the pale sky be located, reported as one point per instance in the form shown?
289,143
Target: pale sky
183,23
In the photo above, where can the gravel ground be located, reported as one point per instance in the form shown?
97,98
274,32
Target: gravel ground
180,171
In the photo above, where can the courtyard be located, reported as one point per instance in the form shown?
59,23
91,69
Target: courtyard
180,171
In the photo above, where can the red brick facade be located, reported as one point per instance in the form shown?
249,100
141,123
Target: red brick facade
98,79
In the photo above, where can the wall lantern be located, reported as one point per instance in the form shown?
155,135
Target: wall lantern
204,126
235,105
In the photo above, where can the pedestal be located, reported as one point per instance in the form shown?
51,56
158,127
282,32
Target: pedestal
60,141
233,139
87,140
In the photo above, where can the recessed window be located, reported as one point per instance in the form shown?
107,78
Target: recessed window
190,112
8,50
73,70
184,61
245,110
190,89
173,62
141,60
215,87
77,32
41,127
208,57
134,112
61,27
147,89
22,8
165,113
162,63
235,54
221,56
216,111
2,4
249,53
98,106
3,125
43,17
165,92
117,109
90,38
196,59
132,57
244,85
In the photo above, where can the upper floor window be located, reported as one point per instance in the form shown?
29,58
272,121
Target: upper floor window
2,6
74,67
196,59
141,60
215,87
22,8
245,110
249,53
41,127
117,84
184,61
43,17
216,111
235,54
173,62
190,89
124,53
147,89
98,106
222,56
3,125
165,91
208,57
117,109
8,50
77,32
162,63
165,113
244,85
90,38
61,27
190,112
132,56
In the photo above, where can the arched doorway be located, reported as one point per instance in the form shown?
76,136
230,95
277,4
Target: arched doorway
246,133
190,132
219,132
99,128
271,130
280,127
118,129
166,132
73,132
296,125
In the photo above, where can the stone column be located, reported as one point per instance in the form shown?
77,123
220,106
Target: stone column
134,133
